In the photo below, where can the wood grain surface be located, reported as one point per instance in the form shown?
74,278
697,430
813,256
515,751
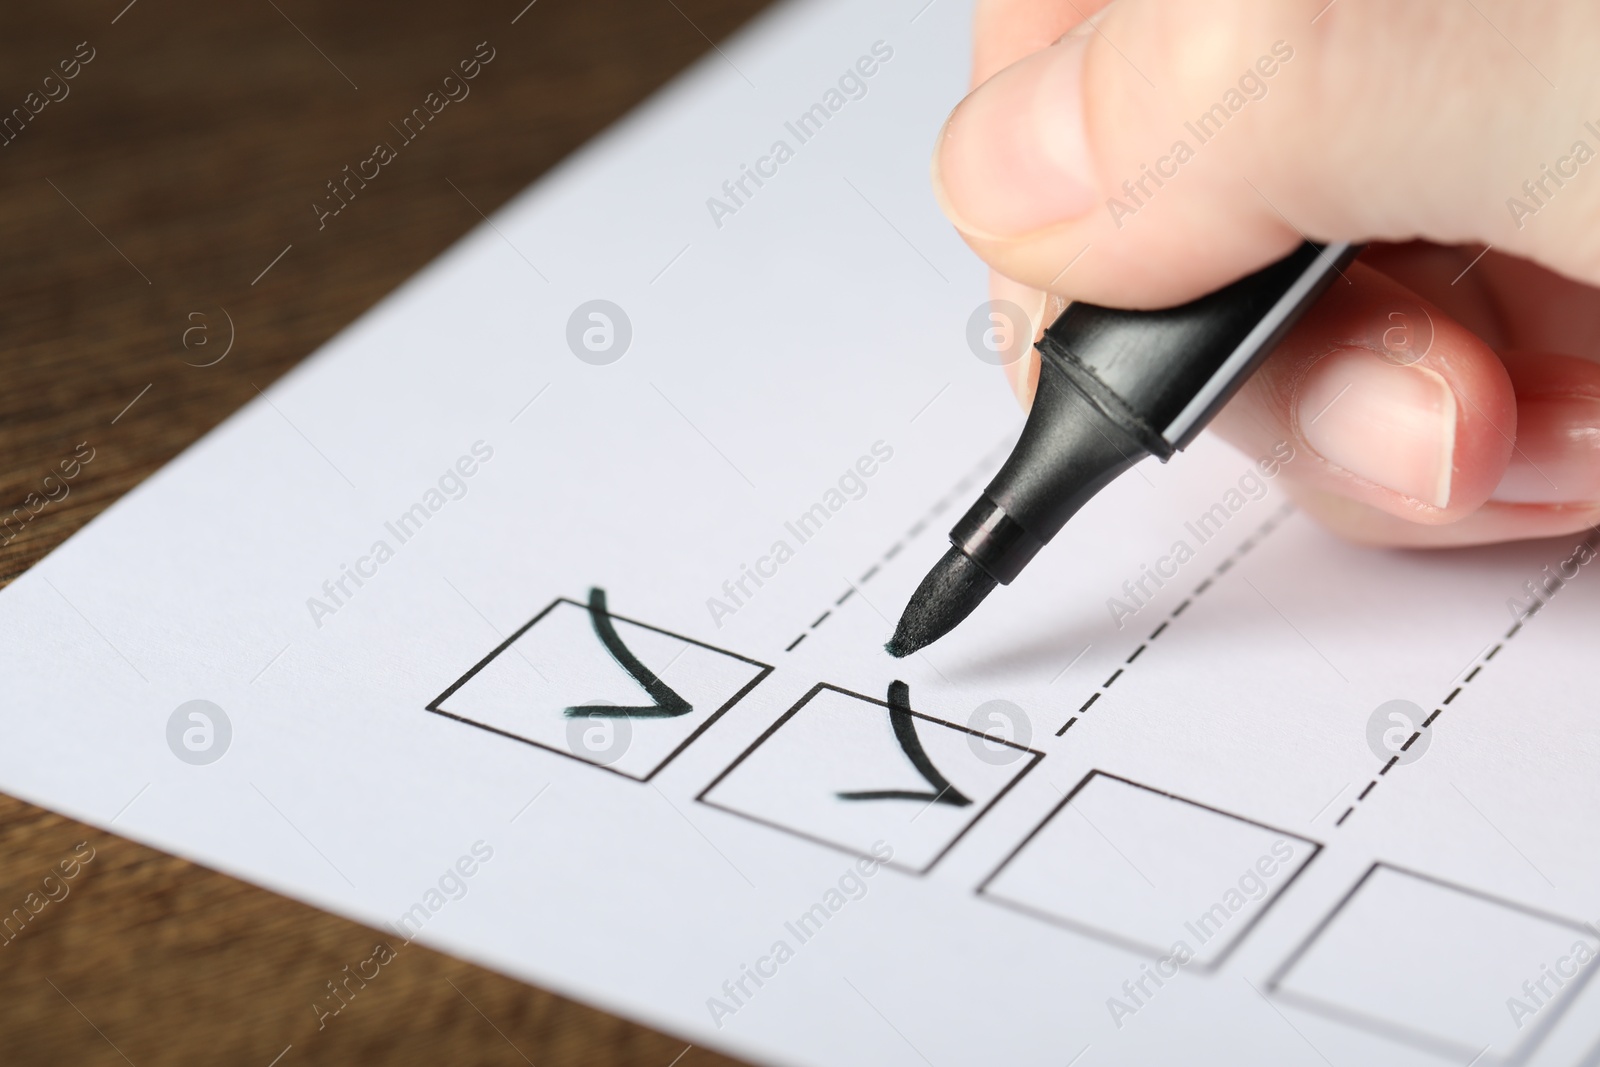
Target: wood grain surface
147,199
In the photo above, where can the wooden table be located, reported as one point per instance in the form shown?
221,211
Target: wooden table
165,192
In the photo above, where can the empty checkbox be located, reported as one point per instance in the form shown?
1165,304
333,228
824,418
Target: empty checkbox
1439,966
1148,871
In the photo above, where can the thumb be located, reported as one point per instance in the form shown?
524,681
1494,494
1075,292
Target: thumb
1169,148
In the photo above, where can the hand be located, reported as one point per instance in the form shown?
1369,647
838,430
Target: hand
1437,395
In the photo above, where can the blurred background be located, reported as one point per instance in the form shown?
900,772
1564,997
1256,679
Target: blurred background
162,261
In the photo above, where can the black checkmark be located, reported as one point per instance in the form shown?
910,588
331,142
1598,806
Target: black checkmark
905,731
668,704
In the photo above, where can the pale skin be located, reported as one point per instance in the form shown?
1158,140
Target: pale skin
1416,125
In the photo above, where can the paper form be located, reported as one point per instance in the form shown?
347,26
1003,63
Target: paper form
544,609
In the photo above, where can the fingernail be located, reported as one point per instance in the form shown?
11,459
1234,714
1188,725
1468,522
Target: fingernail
1392,425
1557,458
1014,157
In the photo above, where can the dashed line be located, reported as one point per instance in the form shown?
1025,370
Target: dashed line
1516,628
1347,813
1067,727
796,641
911,534
1370,787
1238,553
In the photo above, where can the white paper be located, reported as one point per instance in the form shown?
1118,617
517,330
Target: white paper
797,374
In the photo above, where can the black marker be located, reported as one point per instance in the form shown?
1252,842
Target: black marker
1114,387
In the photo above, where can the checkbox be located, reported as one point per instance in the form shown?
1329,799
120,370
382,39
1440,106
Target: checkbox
596,687
852,772
1148,871
1441,967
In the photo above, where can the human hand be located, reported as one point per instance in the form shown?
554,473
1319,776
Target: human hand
1438,394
